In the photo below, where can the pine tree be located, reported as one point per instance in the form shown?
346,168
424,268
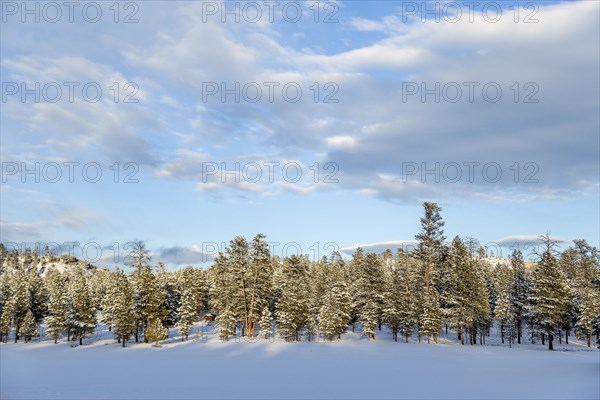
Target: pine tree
430,242
29,327
156,332
238,267
266,323
168,284
334,314
504,309
226,321
37,294
220,288
430,249
5,293
149,298
292,307
586,294
371,284
260,280
188,311
18,303
138,257
58,303
396,308
406,266
317,288
432,315
549,292
6,319
81,314
468,295
123,307
520,291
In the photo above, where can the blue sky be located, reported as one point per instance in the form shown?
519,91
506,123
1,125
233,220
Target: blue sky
375,139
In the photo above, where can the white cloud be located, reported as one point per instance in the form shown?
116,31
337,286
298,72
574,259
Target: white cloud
341,142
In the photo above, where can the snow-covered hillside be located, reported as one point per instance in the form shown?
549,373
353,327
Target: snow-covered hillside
352,368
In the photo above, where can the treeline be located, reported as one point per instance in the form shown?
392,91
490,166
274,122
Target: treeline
440,286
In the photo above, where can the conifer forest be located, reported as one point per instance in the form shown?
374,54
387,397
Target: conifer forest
440,286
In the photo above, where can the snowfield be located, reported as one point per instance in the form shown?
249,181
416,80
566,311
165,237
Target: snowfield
352,368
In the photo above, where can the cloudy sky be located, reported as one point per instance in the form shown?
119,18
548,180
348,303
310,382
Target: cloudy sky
323,125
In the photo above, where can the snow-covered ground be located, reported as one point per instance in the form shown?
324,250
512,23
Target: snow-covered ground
350,368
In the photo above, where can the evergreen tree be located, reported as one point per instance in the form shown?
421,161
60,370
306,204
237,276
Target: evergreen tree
169,286
58,303
520,291
18,302
6,319
317,288
430,242
5,293
504,308
188,311
468,300
123,307
226,321
430,249
549,293
29,327
395,303
260,281
81,314
138,257
292,307
266,323
408,311
432,315
37,294
358,298
238,267
156,332
334,313
371,284
586,295
149,299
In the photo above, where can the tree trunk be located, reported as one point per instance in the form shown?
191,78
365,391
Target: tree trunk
550,340
80,340
123,342
559,337
519,331
589,340
56,340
